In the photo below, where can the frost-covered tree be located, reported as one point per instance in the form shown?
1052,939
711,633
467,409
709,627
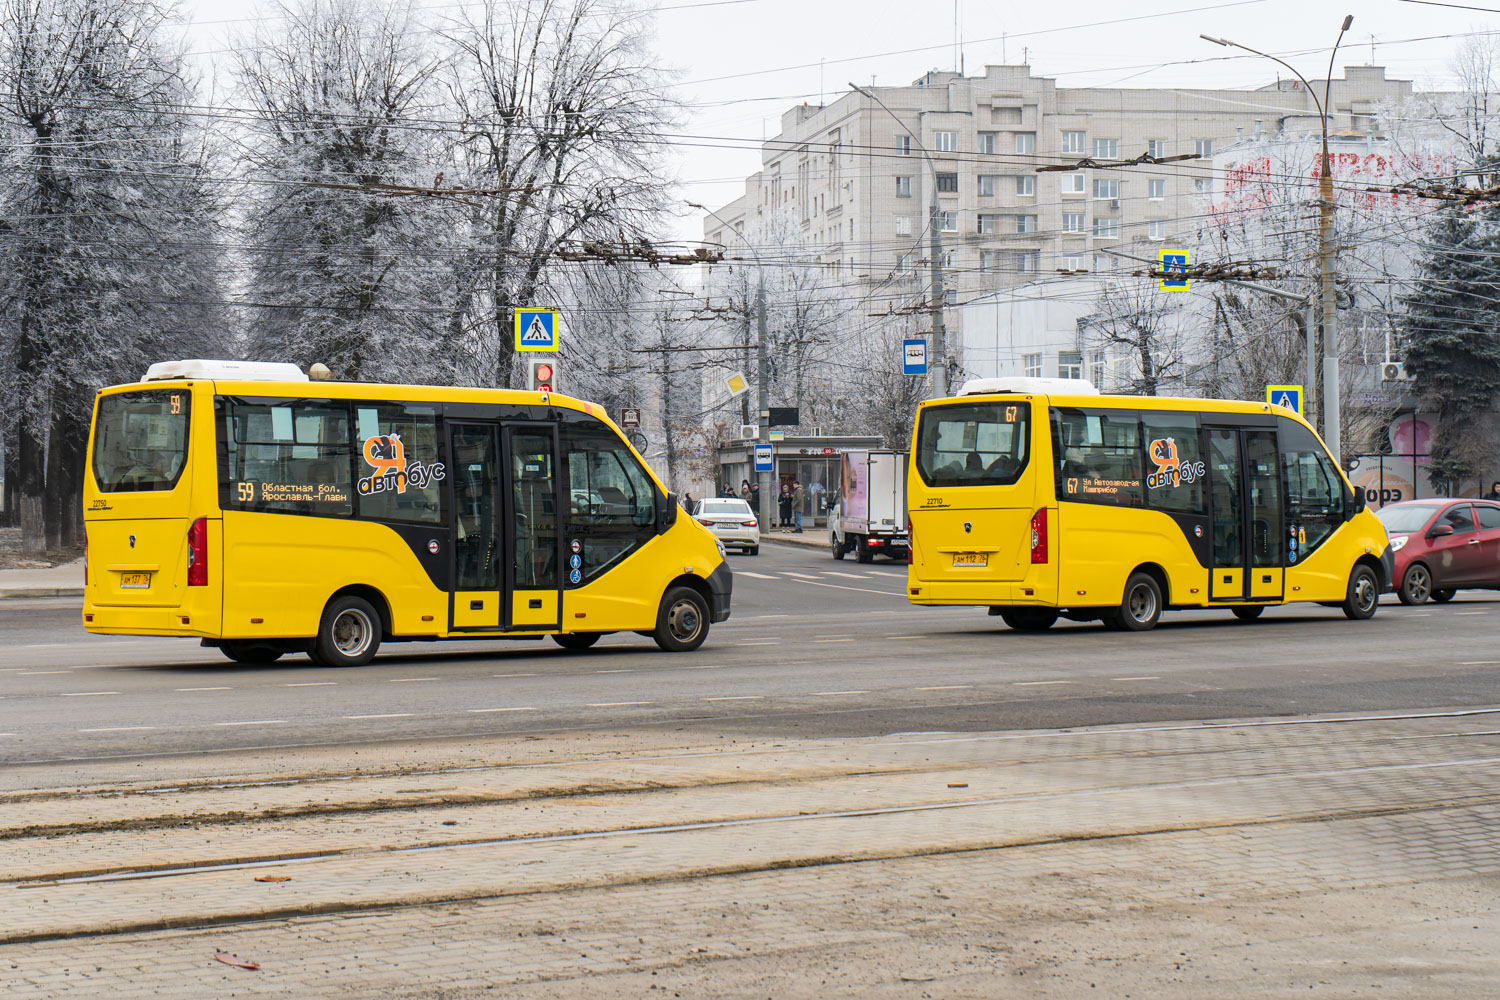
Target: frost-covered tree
1132,317
346,251
110,256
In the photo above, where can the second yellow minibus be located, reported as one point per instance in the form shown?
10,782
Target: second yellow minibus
1040,499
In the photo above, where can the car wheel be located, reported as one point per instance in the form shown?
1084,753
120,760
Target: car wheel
753,550
682,622
349,633
576,640
1250,612
833,543
1416,585
1029,619
1141,607
862,551
1444,595
1363,596
250,652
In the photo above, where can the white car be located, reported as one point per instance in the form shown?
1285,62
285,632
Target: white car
733,523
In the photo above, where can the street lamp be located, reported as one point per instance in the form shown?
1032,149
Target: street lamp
1328,313
762,363
935,252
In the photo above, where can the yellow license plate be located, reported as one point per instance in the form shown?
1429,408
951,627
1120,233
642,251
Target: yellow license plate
971,559
138,580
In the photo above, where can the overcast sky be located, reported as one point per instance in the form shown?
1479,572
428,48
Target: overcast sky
741,63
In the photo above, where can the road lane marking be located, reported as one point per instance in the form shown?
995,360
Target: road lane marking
83,694
512,675
617,670
411,680
849,576
615,704
755,576
832,640
801,576
770,616
42,645
254,722
1023,684
735,697
34,673
205,689
1478,663
947,687
712,666
1471,612
830,694
389,715
312,684
1135,678
861,590
903,637
519,708
111,729
775,642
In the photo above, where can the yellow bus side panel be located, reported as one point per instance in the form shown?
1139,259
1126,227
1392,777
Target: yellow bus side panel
1324,576
1101,545
286,567
627,597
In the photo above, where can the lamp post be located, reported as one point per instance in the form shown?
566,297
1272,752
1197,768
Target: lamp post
762,363
935,253
1328,309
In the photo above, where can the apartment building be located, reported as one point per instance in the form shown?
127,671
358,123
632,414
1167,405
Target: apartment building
859,174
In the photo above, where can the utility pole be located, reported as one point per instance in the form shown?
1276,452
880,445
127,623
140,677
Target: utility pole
763,393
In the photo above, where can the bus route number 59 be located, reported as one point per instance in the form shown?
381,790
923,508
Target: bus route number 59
245,492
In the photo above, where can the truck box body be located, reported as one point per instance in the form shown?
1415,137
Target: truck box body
872,503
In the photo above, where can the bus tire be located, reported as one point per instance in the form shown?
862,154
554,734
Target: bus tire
1416,585
682,622
576,640
249,652
349,634
1029,619
1444,595
862,551
833,543
1140,609
1363,596
1250,612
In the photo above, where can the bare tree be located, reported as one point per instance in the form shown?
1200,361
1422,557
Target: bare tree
1136,318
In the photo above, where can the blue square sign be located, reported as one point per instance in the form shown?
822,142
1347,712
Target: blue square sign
763,460
914,357
536,330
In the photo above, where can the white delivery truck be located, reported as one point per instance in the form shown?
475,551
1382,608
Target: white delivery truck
869,515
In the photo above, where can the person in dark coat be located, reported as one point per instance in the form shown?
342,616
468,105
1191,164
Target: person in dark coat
784,502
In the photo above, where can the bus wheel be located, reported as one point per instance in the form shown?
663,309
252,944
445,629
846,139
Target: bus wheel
1444,596
682,622
576,640
1363,596
833,543
1416,586
349,633
1029,619
1141,608
1249,613
249,652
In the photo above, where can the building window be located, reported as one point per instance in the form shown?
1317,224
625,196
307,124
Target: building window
1202,185
989,224
903,145
948,221
1204,147
1072,142
1069,364
1027,261
947,183
1031,364
1072,183
1106,229
903,225
1073,262
986,142
949,259
945,142
1026,142
1156,229
1025,186
1106,189
988,260
903,263
1096,368
1072,222
1106,149
903,187
1156,147
986,185
1025,223
1156,190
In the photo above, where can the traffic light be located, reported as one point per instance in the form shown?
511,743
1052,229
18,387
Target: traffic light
543,374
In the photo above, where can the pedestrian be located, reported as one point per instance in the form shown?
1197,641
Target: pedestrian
1494,493
745,490
799,498
687,502
784,503
728,491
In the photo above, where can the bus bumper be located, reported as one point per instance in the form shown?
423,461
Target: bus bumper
106,620
720,584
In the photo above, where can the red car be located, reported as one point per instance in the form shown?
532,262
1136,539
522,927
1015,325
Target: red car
1442,546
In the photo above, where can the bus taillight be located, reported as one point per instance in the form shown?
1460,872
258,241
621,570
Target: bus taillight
198,553
1039,536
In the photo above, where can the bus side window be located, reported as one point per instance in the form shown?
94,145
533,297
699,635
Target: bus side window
1314,488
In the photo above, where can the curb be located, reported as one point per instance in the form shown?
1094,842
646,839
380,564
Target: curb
821,543
17,593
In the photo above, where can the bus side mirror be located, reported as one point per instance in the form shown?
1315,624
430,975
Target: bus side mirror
667,506
1359,502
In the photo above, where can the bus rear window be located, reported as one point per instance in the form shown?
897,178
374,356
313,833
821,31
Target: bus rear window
141,440
973,444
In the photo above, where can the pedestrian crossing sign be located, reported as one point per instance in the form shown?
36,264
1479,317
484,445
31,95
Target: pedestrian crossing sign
536,330
1289,396
1173,262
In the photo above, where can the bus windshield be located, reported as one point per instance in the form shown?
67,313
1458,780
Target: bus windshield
973,444
140,440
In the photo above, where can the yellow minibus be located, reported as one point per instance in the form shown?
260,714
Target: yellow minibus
1041,498
263,513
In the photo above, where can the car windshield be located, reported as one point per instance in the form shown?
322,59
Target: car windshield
1400,518
724,507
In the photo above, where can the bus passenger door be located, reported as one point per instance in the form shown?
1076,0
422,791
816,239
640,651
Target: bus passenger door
1266,535
1247,516
534,574
1227,492
477,509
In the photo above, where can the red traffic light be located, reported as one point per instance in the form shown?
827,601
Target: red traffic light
544,373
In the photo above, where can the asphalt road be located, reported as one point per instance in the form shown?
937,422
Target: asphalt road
815,648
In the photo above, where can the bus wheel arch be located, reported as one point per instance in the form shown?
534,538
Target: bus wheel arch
1365,587
1142,600
353,623
376,600
682,620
